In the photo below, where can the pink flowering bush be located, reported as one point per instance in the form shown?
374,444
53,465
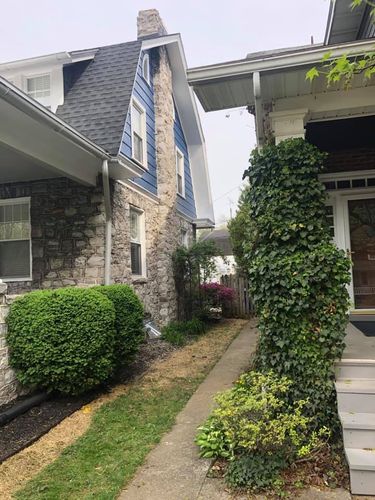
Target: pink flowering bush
217,295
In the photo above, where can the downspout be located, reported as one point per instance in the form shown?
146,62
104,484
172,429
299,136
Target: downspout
258,109
108,223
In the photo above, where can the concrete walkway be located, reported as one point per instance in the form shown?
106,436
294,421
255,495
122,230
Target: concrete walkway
173,470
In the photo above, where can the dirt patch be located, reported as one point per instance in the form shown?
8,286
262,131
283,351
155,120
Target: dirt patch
162,364
31,425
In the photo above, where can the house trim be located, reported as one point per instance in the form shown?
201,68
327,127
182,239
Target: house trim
140,190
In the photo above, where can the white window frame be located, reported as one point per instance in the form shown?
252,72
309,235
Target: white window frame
182,159
20,201
146,63
185,237
46,100
142,240
142,110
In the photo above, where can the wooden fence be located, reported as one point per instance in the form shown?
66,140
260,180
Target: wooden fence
242,305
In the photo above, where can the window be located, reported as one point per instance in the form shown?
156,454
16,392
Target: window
146,68
180,171
39,88
137,247
138,119
184,238
330,220
15,240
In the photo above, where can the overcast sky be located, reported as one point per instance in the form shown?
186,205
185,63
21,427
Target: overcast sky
212,31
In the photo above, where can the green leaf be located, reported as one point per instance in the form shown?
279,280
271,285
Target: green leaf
312,74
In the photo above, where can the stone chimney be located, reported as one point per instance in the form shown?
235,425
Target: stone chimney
150,23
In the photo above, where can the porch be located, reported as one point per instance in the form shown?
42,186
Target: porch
55,204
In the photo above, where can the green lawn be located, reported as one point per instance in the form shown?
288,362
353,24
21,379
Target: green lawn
123,431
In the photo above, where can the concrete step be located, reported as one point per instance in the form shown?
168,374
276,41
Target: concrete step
358,429
355,368
362,470
356,394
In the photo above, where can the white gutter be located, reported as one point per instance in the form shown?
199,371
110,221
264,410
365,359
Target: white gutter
258,109
242,67
108,223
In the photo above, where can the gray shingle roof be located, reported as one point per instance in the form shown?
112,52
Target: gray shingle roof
97,103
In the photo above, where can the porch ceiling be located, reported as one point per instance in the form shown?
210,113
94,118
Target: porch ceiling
230,85
16,167
30,148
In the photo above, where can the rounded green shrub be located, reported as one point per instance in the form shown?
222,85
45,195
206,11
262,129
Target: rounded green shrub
298,276
129,321
63,339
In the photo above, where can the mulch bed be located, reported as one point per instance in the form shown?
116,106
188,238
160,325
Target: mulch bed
30,426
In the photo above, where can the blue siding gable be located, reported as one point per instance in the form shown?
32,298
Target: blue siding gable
185,205
144,94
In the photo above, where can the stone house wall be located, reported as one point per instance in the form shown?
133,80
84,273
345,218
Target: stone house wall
67,233
9,386
158,296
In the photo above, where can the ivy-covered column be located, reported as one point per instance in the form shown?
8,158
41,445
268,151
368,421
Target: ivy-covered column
298,275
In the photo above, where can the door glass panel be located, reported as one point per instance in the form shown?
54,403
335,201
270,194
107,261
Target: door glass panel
362,241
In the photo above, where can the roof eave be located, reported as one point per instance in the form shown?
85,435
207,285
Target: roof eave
242,67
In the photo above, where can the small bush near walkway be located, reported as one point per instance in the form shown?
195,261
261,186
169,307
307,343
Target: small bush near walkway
128,323
62,340
179,332
256,431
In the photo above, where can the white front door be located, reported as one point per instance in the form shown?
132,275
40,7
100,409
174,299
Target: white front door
355,233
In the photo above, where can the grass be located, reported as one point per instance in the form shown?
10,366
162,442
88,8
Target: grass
123,431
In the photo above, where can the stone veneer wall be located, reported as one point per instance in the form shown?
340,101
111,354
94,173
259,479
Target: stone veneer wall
9,386
67,232
158,295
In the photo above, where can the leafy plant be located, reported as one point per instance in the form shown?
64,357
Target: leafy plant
191,267
62,340
178,333
255,471
298,276
345,67
128,323
241,231
253,417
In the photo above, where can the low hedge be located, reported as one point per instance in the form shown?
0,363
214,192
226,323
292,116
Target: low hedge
178,332
63,339
128,323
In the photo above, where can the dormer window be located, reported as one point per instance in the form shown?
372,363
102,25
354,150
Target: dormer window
39,88
146,68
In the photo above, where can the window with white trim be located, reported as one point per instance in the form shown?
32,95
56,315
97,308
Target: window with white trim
15,239
330,217
184,238
139,144
39,88
180,172
137,242
146,68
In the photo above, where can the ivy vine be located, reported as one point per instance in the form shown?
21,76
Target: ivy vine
298,276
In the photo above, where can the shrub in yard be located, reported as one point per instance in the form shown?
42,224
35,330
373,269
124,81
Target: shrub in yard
177,333
253,424
62,340
297,274
128,323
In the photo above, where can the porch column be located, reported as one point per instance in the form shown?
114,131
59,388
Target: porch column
288,124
